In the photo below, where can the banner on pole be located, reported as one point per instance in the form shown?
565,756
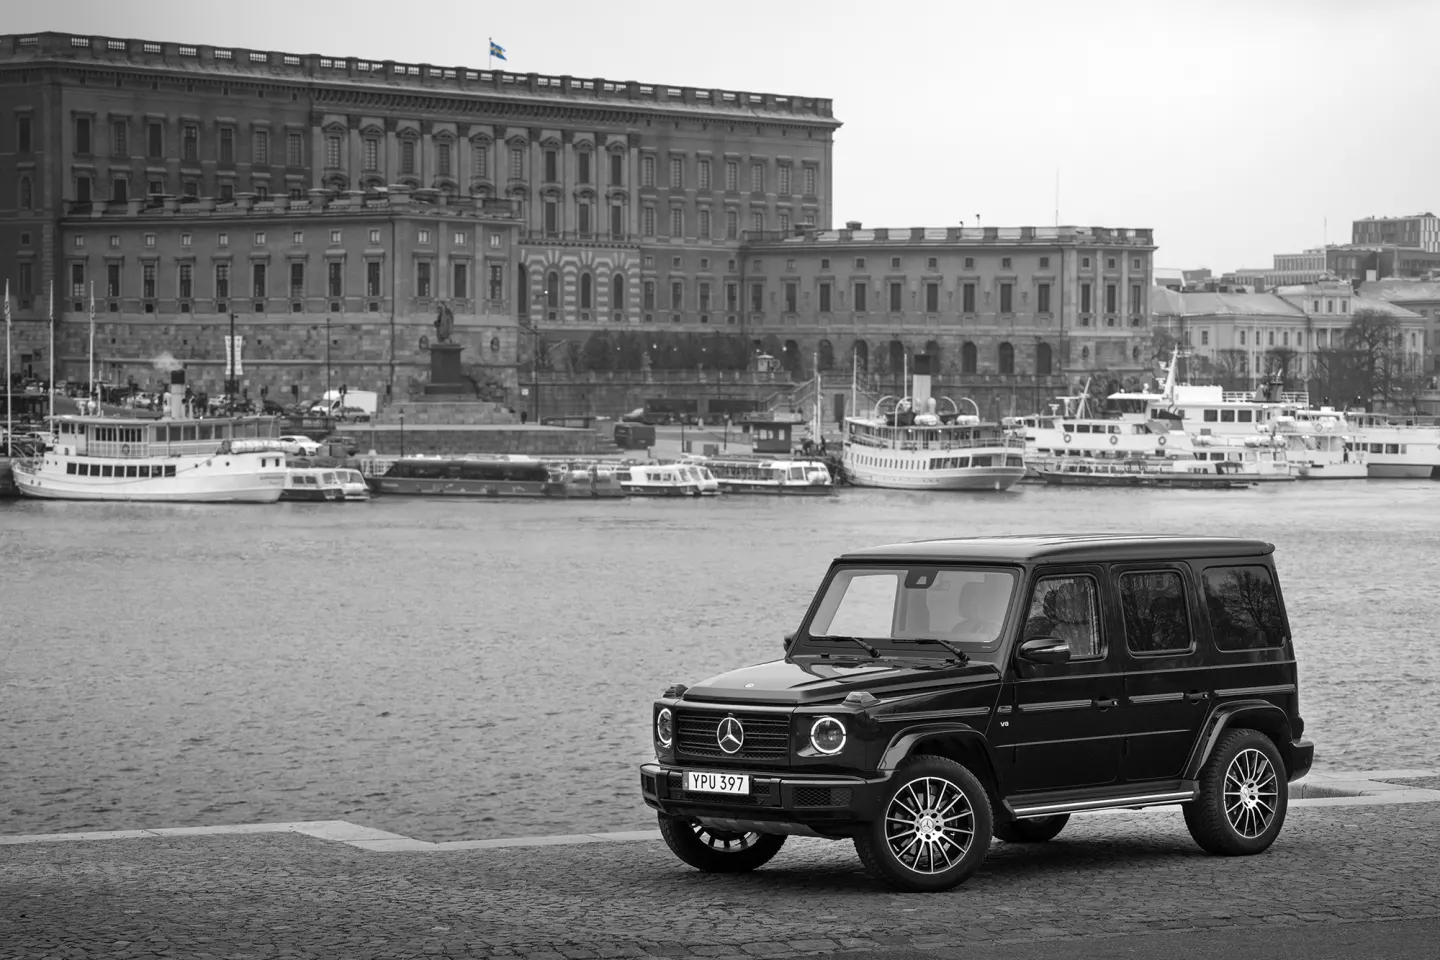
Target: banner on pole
234,357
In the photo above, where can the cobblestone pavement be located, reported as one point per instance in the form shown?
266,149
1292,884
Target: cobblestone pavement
1417,783
283,895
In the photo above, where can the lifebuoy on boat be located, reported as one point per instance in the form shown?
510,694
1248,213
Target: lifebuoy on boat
1160,441
124,449
1114,439
1067,438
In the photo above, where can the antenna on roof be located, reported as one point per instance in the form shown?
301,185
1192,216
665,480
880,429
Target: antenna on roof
1057,196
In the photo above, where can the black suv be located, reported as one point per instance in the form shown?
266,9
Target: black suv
944,691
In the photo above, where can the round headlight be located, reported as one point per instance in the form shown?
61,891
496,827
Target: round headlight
827,736
664,727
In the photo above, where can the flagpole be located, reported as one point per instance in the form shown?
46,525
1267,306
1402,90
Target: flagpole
9,394
52,354
92,390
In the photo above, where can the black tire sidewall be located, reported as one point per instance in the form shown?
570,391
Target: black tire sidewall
679,835
875,850
1206,817
1036,830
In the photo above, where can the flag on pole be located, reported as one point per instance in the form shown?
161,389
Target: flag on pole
497,51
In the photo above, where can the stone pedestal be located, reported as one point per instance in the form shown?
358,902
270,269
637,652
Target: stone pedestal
445,373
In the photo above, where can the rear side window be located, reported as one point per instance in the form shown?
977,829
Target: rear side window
1156,617
1244,608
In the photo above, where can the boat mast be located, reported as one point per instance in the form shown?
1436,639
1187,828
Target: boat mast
818,397
854,375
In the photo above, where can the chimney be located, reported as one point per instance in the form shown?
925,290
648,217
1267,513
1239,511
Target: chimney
920,392
852,224
176,406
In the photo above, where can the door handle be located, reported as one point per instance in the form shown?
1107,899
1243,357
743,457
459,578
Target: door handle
1195,696
1105,704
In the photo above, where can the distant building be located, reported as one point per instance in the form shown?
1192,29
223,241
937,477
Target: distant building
1418,296
1420,230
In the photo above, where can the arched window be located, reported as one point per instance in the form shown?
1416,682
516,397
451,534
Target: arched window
1007,358
790,356
862,355
897,358
826,355
932,350
26,196
586,291
1084,353
522,287
968,354
1135,353
1042,360
552,289
617,294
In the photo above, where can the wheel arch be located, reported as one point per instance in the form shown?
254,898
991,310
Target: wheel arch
1260,715
960,742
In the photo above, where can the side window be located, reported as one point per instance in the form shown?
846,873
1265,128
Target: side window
867,608
1244,608
1156,617
1066,608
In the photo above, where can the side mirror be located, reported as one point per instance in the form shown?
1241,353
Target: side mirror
1045,650
789,640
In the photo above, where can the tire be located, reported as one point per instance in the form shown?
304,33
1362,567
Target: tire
1243,796
718,851
940,804
1035,830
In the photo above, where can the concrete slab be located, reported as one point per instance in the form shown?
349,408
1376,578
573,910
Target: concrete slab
393,845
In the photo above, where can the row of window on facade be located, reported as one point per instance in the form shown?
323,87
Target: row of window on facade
423,237
158,184
158,144
1323,338
704,229
260,279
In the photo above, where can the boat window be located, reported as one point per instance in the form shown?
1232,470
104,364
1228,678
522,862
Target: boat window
206,431
1227,416
1211,416
70,468
480,471
131,471
107,470
1246,416
982,461
188,431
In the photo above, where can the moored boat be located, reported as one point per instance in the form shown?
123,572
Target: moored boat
502,476
1180,474
771,475
593,479
312,484
663,480
174,459
352,484
910,443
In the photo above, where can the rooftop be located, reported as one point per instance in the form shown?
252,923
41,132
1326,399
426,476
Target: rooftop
1110,236
1170,303
1396,290
261,66
1065,547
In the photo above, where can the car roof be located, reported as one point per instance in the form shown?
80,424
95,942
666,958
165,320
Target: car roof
1075,548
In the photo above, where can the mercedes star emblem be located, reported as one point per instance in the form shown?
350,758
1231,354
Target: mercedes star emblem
730,735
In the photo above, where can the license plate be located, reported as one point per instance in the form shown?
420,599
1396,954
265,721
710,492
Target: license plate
737,783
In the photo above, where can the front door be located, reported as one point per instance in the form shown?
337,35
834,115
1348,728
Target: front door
1168,686
1065,726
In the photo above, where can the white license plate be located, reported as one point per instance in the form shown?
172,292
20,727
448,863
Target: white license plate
697,782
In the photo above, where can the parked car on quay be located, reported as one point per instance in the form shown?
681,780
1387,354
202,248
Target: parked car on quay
942,692
299,445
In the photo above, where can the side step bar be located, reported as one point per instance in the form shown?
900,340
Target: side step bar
1105,803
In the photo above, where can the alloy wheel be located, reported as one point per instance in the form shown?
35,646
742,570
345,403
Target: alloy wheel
1250,793
929,825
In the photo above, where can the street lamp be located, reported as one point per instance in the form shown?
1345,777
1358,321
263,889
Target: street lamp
327,371
402,433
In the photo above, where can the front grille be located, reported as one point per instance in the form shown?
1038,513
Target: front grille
760,794
822,796
767,736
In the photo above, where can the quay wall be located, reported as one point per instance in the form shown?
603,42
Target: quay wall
458,441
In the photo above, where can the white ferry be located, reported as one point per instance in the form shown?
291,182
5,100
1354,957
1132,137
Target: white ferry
907,444
1139,472
312,483
667,480
175,459
771,475
1259,457
1397,446
1317,447
1073,429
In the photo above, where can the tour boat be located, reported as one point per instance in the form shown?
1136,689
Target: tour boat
771,475
665,480
311,483
500,476
1259,457
1397,446
352,484
908,444
1316,447
173,459
1177,474
595,479
1073,429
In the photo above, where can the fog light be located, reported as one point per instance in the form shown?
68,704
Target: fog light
827,736
664,727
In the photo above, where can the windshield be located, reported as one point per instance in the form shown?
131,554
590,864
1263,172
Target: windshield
892,607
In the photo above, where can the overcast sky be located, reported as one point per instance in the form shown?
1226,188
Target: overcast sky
1234,128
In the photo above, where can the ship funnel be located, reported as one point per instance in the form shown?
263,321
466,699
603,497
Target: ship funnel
920,389
175,405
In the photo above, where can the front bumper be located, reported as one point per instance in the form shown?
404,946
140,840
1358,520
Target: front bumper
779,802
1302,755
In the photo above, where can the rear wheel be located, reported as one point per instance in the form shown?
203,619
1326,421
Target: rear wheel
1243,796
1034,830
933,830
718,851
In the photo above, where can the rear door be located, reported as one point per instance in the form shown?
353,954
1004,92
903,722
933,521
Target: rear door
1064,726
1168,681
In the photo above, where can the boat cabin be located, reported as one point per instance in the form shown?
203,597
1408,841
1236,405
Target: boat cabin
771,436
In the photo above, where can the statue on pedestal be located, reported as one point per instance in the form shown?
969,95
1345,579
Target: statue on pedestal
444,323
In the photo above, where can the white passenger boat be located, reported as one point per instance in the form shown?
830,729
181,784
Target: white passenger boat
1073,428
173,459
1262,458
1139,472
1397,446
312,483
771,475
910,443
1318,449
665,480
593,479
352,484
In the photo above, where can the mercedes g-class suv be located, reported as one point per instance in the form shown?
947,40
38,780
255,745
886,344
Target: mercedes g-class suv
944,691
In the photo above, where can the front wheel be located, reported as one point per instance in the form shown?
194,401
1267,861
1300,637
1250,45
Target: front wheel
1034,830
934,828
1243,796
718,851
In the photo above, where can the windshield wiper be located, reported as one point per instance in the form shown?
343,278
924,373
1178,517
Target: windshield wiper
960,654
868,649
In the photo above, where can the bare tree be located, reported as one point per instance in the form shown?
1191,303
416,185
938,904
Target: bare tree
1372,339
1232,367
1279,361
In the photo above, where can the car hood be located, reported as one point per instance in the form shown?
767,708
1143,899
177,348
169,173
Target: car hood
818,681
